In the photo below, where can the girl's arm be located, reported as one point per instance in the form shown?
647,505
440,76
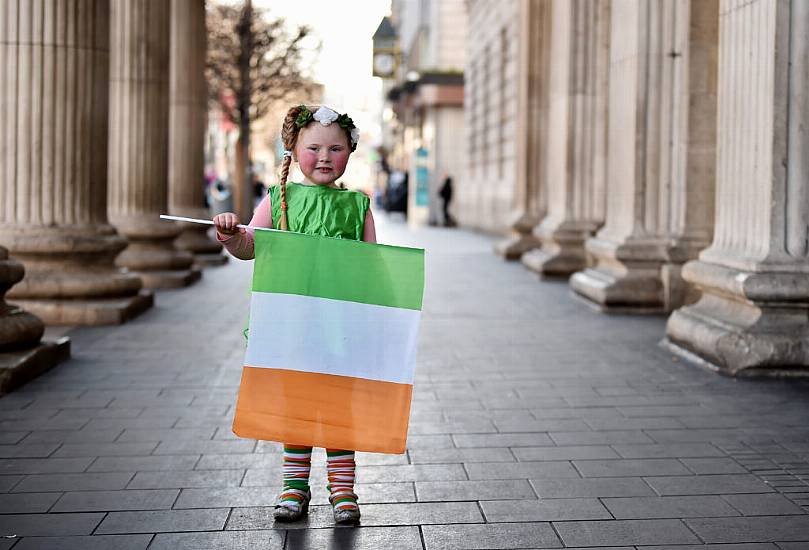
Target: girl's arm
369,231
242,244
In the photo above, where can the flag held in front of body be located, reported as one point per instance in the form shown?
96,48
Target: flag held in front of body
331,350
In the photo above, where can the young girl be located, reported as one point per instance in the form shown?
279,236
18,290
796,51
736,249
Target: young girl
321,141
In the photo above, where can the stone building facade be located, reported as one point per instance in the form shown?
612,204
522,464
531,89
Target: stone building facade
426,99
661,164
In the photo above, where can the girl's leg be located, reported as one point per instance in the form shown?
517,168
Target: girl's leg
341,467
297,464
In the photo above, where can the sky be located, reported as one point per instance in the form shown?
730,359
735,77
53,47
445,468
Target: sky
345,29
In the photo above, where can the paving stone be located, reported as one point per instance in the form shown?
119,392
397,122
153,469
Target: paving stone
178,479
670,450
521,470
98,542
443,491
242,461
502,440
99,501
72,482
164,521
365,538
43,465
573,452
10,438
599,438
431,442
544,425
24,503
467,455
490,536
713,466
560,509
72,436
7,482
105,449
200,446
143,463
230,540
32,525
707,485
668,507
630,467
624,532
751,529
30,450
616,423
747,546
762,504
411,472
170,434
592,487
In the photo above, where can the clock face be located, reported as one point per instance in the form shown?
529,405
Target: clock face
383,64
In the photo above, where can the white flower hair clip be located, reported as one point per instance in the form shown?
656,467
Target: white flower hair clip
326,116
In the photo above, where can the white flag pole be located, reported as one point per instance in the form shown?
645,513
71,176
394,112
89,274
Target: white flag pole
207,222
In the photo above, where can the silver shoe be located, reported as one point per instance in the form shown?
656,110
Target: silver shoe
347,516
289,513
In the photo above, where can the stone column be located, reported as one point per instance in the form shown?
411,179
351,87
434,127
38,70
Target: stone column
531,127
187,118
22,355
752,317
54,74
138,152
577,141
659,167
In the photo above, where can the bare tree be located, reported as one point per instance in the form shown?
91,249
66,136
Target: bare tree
257,61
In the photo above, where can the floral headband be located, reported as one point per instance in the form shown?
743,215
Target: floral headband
326,116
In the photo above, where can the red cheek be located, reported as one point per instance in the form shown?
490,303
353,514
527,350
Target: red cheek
307,160
340,160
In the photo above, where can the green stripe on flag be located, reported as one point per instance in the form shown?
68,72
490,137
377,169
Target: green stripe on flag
339,269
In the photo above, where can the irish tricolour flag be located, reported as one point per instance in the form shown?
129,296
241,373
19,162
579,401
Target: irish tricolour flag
331,349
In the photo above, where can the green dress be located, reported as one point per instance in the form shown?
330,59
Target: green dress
322,210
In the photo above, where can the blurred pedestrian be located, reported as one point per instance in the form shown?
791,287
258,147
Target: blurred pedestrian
446,196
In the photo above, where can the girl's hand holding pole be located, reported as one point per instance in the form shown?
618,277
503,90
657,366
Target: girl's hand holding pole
227,224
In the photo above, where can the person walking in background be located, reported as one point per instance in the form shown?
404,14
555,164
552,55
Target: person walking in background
446,196
321,141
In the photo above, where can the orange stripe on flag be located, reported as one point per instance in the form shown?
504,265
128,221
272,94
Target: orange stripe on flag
323,410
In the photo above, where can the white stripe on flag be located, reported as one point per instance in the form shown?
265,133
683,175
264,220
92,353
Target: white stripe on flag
320,335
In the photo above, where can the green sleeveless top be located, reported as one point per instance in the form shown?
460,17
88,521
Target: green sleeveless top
321,210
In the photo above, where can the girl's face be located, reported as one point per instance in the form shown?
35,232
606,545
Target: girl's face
322,153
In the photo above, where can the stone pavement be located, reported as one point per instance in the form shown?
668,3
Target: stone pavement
537,423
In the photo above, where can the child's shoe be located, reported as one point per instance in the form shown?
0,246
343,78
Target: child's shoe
292,505
345,507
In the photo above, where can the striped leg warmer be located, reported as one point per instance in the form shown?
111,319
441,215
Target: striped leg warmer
297,463
341,468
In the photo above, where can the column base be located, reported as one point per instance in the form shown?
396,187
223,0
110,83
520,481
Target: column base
18,367
109,311
553,264
170,278
521,240
209,260
626,278
562,252
514,247
745,323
